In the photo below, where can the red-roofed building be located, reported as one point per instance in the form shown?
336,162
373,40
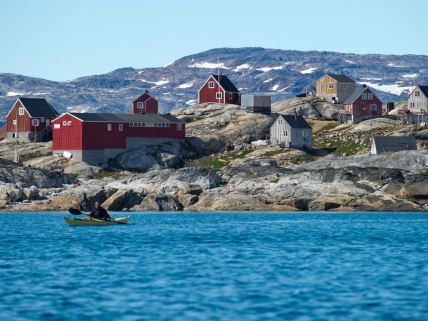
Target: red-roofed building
219,89
145,104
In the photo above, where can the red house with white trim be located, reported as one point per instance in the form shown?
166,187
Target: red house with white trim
219,89
145,104
94,138
29,120
362,104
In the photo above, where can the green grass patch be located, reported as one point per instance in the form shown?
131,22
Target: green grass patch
220,160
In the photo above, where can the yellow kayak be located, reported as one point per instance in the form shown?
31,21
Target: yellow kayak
95,222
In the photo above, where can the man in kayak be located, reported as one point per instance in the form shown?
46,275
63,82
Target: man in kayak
100,213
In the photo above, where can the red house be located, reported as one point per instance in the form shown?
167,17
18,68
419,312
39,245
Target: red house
145,104
362,104
219,89
94,138
29,120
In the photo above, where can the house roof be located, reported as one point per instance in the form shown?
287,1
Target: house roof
38,107
296,121
424,89
126,118
144,97
341,78
356,94
385,144
225,83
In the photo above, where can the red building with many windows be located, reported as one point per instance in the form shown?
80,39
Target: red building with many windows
219,89
362,104
145,104
29,120
94,138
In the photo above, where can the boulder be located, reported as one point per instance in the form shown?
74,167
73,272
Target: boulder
122,199
159,202
417,186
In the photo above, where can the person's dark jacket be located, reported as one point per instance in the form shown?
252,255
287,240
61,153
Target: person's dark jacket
100,214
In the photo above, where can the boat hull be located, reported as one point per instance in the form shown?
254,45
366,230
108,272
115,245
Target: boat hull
95,222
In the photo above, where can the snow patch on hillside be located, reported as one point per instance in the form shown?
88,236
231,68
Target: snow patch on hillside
186,85
308,71
14,93
349,61
268,80
395,65
208,65
409,75
161,82
275,88
191,102
392,89
241,67
369,78
267,69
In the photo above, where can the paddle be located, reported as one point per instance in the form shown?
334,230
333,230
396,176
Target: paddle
75,211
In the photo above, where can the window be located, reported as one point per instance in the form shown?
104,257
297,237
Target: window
35,122
330,85
417,93
230,96
57,126
42,120
373,107
369,96
48,122
140,105
109,127
178,126
211,84
364,96
64,123
14,122
21,111
219,95
121,127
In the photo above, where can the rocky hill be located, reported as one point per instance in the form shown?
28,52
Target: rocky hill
282,73
225,164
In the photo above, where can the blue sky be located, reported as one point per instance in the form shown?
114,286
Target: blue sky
65,39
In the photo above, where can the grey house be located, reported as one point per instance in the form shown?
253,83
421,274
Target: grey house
391,144
417,104
291,131
256,103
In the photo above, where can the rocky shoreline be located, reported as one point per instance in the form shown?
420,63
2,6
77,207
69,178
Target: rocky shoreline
218,168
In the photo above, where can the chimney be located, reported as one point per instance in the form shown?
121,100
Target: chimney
364,86
146,91
295,114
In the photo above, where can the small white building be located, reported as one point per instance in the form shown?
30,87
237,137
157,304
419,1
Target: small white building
417,105
291,131
392,144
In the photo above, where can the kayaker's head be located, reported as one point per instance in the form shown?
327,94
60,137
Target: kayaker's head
97,205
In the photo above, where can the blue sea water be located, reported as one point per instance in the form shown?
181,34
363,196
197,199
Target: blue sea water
252,266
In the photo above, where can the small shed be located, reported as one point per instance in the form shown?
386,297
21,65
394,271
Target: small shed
291,131
257,103
392,144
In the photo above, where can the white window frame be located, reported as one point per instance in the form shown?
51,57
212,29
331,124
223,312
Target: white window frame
42,120
35,122
417,93
140,105
69,123
14,122
48,122
64,123
21,111
109,127
121,127
369,96
57,126
364,96
331,85
230,96
211,85
218,95
373,107
179,126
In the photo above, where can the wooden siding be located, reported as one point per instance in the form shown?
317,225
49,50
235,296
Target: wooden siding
96,136
150,106
360,108
67,137
23,121
281,133
420,102
208,95
340,91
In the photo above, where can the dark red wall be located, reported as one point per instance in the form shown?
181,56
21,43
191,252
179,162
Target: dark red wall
361,107
208,95
95,136
150,106
67,137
